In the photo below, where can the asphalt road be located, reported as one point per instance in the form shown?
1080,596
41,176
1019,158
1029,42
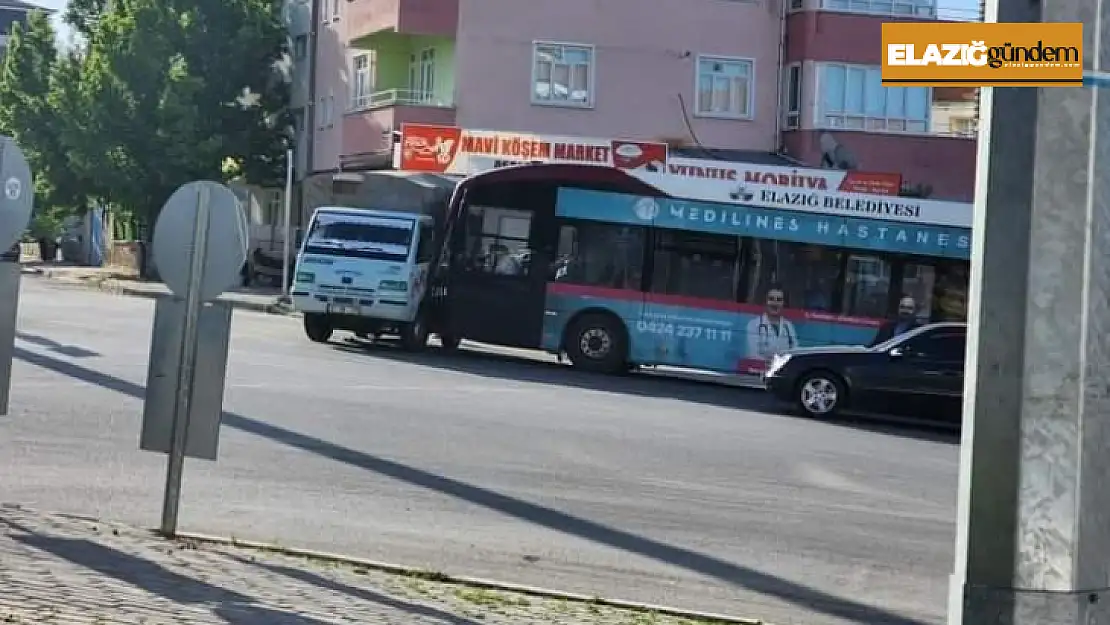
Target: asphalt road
638,488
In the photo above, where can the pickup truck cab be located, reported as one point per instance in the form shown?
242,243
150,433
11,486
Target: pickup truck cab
365,271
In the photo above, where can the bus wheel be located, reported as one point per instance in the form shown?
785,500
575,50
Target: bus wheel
449,341
317,327
414,336
598,343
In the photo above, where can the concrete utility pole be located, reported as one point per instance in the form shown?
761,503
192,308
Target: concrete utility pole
1033,545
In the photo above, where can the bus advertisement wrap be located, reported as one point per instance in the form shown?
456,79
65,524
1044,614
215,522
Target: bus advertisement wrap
749,221
701,333
728,336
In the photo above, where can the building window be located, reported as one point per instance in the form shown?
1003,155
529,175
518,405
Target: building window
724,87
334,10
300,47
792,99
562,74
918,8
327,112
363,68
964,126
852,97
325,11
422,76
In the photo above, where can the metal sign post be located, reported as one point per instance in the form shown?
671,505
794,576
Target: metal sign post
189,345
186,367
15,213
287,244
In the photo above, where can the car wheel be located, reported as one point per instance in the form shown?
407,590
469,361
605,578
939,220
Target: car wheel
598,343
821,394
414,336
317,327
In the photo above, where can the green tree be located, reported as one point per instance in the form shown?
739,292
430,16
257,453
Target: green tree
27,115
172,89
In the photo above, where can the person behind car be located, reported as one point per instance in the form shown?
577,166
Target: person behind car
905,321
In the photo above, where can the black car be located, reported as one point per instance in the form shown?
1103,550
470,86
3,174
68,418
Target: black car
919,374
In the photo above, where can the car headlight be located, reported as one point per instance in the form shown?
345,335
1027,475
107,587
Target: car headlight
304,276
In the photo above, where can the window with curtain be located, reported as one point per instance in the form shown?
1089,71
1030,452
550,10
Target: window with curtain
724,87
562,74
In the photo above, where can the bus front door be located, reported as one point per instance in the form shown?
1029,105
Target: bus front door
496,289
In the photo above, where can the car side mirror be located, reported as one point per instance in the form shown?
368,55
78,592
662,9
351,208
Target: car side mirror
897,352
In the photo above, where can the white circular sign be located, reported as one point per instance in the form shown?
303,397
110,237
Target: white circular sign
15,205
226,245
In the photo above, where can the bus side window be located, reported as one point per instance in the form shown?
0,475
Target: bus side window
425,249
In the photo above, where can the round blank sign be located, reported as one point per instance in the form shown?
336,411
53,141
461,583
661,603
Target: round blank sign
18,193
226,244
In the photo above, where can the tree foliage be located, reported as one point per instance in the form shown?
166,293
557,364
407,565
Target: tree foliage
157,93
28,115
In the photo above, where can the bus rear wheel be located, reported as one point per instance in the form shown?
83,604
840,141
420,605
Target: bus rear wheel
598,342
317,327
449,342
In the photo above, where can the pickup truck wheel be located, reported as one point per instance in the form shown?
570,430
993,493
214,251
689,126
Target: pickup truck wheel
317,327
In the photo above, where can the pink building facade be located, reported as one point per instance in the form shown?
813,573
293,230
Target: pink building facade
774,81
697,71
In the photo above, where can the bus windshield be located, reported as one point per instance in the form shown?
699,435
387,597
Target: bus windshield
358,236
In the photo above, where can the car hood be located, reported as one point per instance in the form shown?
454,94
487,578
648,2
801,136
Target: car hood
828,349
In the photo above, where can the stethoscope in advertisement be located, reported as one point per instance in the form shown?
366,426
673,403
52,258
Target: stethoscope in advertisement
765,329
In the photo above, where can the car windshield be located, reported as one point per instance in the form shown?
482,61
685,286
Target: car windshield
358,236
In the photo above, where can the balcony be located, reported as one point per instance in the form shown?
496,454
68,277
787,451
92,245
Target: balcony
400,97
409,17
366,128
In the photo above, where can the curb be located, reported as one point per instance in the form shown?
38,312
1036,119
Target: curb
459,580
112,285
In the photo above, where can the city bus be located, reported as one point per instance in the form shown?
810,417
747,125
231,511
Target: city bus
607,267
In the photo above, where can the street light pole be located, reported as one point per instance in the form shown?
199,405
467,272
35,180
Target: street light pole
1033,540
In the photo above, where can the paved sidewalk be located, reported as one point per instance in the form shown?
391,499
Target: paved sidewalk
64,570
114,281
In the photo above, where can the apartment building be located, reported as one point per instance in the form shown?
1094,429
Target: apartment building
834,97
700,71
752,80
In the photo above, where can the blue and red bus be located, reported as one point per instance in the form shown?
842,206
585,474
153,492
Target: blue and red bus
608,268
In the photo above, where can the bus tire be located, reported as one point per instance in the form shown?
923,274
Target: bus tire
449,342
414,335
317,327
597,342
